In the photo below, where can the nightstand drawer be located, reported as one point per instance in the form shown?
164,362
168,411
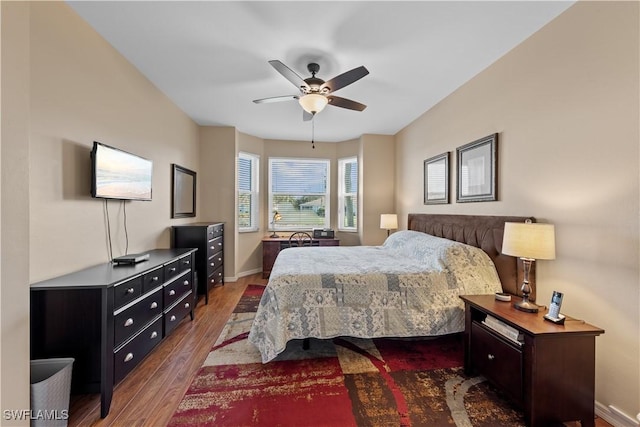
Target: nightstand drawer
497,360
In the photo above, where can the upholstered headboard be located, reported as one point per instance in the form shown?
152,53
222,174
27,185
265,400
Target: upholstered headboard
484,232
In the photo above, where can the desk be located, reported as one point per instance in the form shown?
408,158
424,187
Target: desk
271,247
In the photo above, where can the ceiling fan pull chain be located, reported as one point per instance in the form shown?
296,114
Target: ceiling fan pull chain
313,131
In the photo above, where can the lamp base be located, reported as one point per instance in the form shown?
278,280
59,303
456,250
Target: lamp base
527,306
274,235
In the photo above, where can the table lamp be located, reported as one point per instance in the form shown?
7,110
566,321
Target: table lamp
388,222
529,241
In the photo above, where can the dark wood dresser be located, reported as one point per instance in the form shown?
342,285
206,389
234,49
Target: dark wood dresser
271,247
109,317
208,238
549,370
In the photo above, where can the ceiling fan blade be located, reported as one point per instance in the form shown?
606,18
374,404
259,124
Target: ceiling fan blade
345,103
344,79
276,99
289,74
306,116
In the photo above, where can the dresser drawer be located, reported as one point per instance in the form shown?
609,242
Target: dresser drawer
152,279
171,270
132,353
216,277
185,263
131,320
127,291
175,314
214,262
176,289
499,361
214,246
214,231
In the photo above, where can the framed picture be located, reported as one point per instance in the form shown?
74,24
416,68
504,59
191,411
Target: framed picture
436,179
477,164
183,197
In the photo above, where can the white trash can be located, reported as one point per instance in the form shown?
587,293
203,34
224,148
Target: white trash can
50,391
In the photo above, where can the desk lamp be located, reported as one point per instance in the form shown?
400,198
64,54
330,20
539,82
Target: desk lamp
276,217
529,241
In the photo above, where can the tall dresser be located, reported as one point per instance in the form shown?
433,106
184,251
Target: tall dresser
208,238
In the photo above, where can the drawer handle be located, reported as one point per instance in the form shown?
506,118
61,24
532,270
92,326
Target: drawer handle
490,356
185,283
154,305
187,262
220,244
172,318
213,264
128,357
186,305
212,247
220,274
130,290
212,281
172,269
172,292
154,334
219,259
155,278
128,322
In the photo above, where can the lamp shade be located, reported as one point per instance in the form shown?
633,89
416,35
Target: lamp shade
313,103
389,221
529,240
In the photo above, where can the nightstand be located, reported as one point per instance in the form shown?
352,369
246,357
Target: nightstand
550,374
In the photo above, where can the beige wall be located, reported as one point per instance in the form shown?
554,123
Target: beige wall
217,182
377,188
83,90
14,209
249,247
63,87
565,105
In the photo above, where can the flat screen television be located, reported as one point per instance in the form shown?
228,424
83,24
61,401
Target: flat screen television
117,174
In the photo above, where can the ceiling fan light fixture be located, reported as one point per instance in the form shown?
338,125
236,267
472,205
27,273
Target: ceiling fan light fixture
313,103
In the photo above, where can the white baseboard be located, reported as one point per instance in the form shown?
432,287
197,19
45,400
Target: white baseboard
246,273
615,416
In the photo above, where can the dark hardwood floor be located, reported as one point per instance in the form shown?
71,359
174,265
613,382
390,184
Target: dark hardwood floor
150,394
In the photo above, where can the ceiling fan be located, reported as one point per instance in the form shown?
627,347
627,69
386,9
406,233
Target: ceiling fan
315,93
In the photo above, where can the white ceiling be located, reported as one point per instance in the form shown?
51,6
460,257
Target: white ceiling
210,57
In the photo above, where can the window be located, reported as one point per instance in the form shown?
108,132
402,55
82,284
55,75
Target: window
248,192
348,194
299,193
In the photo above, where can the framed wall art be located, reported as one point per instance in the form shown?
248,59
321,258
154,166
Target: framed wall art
436,179
477,164
183,196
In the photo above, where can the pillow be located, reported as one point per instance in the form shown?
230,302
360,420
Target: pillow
421,246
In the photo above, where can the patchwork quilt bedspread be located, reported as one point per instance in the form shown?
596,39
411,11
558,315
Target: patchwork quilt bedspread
407,287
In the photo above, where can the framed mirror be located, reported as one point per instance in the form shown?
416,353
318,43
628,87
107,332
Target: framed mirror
183,196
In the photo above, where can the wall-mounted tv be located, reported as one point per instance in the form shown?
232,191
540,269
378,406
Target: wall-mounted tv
117,174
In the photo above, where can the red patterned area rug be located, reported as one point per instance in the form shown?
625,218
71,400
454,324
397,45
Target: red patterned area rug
339,382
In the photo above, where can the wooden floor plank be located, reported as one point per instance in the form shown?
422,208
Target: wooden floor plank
150,394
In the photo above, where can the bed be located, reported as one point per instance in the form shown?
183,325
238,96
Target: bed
407,287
